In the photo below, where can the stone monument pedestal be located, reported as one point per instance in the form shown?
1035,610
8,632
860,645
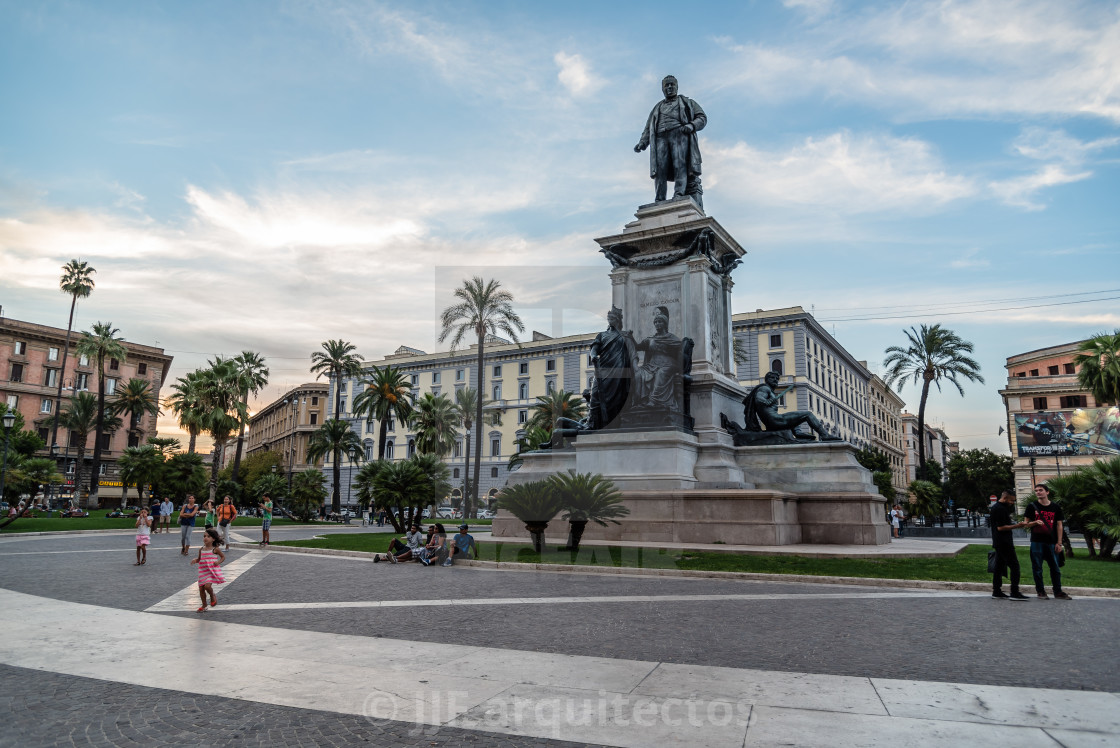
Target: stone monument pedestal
682,477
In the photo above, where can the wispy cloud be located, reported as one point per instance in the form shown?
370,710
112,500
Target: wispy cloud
971,259
840,172
1021,191
576,76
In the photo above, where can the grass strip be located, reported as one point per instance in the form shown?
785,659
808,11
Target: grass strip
970,565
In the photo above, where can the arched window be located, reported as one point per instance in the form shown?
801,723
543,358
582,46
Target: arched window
523,391
550,387
369,450
776,366
455,473
388,450
411,447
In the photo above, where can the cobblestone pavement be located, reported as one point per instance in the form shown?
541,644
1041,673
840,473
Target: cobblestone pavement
935,638
48,709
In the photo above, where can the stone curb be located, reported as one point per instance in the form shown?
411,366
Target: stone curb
924,584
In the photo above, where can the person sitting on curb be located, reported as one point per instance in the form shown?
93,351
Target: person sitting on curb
402,549
436,549
461,545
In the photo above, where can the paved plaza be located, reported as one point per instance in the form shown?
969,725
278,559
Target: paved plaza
314,650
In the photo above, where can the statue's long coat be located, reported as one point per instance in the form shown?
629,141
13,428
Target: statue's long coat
692,114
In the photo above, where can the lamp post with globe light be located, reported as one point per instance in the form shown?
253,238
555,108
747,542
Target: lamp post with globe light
9,420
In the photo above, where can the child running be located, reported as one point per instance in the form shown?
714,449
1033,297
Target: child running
209,570
143,537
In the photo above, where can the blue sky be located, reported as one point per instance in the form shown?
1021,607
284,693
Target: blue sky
270,175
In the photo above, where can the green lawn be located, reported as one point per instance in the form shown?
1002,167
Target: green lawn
97,521
970,565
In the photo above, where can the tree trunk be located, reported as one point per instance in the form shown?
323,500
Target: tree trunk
336,499
237,454
382,435
922,430
62,374
191,443
575,534
95,477
536,534
473,502
124,493
467,469
215,459
1089,543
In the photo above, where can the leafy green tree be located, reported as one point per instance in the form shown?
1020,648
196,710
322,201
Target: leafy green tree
26,473
272,484
554,406
253,467
976,474
932,471
137,400
483,308
434,420
183,474
931,356
438,476
386,395
335,438
586,497
1090,499
165,446
308,493
336,360
925,499
874,460
884,482
186,403
534,503
100,344
20,440
252,377
1098,367
138,466
80,418
364,482
77,283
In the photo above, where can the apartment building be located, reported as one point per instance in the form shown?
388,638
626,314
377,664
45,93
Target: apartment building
285,425
887,434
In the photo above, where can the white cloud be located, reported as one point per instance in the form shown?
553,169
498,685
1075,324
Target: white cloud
1021,191
949,58
839,172
971,259
1043,144
575,75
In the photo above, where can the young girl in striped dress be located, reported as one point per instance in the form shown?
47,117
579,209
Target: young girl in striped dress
209,570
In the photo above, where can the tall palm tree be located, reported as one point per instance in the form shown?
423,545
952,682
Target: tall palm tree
335,438
466,404
483,309
222,409
387,395
253,378
100,344
1098,367
336,361
556,405
434,421
932,354
136,399
77,282
80,418
186,403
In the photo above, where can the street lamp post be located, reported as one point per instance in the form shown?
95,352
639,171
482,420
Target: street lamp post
9,421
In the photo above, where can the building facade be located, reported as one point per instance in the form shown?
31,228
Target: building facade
285,425
828,381
32,355
887,434
937,446
1041,396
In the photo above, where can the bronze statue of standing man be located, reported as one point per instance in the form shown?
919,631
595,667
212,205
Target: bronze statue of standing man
674,149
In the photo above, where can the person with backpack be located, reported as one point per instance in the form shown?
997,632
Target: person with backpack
1046,522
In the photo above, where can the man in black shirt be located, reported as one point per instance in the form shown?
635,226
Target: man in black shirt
1047,520
1002,523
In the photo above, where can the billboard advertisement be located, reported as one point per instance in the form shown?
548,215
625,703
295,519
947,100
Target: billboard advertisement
1084,431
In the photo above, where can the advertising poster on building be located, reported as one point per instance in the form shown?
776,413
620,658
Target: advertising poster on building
1083,431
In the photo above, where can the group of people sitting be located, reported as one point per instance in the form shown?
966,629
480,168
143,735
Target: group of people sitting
435,549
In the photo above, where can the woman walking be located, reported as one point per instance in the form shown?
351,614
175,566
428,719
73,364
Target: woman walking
209,561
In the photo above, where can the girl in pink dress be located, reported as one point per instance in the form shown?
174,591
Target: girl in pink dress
209,570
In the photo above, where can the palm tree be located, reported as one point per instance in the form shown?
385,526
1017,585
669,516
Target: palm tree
136,399
138,466
387,396
165,444
77,281
80,418
400,486
586,497
99,345
434,421
253,377
337,361
1098,367
483,309
186,403
466,405
335,438
556,405
438,476
221,407
532,440
307,493
535,504
932,355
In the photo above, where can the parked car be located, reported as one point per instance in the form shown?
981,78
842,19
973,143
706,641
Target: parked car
485,514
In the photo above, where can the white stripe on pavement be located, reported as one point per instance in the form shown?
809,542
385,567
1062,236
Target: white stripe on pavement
588,699
187,598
